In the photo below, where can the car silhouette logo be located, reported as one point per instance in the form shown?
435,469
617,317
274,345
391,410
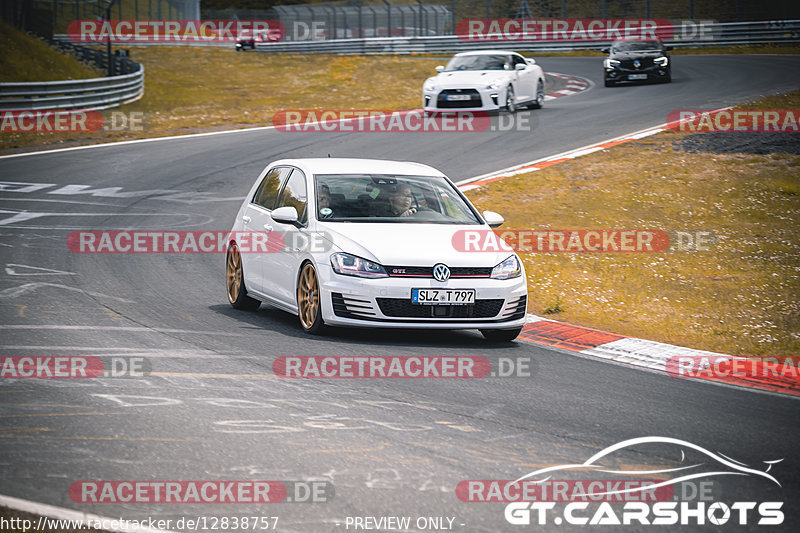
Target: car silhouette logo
441,272
716,464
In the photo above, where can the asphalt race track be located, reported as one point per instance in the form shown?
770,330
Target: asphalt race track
388,447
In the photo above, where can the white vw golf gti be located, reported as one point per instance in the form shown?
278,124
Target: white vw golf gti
486,80
370,243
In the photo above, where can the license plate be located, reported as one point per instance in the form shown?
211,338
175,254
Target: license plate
443,296
454,97
637,76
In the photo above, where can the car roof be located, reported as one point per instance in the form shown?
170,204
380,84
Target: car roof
341,165
486,53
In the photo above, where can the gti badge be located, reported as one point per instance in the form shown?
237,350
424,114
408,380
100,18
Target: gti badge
441,272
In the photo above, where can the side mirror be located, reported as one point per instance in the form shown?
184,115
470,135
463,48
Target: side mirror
520,66
439,68
493,219
605,50
285,215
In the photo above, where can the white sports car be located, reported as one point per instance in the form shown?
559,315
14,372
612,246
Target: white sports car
485,80
370,243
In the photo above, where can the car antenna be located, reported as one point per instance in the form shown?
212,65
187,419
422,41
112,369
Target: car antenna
329,155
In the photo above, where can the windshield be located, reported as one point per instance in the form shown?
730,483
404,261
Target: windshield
388,198
479,62
636,46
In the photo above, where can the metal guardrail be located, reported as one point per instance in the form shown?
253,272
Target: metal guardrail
95,93
718,34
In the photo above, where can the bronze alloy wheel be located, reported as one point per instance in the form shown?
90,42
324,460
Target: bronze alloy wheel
234,280
233,271
308,299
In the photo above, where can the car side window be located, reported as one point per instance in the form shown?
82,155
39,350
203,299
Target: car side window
517,60
267,193
295,194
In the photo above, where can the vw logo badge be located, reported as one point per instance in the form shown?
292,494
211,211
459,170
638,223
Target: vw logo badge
637,63
441,272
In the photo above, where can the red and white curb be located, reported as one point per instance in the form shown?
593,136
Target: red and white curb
574,85
538,164
664,358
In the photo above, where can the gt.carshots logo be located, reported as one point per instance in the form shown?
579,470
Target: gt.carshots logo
174,31
735,120
563,29
372,120
626,502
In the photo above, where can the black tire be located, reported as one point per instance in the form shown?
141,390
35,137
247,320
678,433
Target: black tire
511,106
610,83
539,102
234,274
501,335
309,300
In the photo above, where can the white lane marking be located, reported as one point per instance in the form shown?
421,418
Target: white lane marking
60,513
119,328
126,352
27,270
27,288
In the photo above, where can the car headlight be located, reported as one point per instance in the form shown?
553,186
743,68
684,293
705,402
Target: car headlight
494,85
611,63
429,86
352,265
661,61
510,268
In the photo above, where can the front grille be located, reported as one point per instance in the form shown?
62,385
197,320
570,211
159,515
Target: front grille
427,272
444,103
403,308
646,63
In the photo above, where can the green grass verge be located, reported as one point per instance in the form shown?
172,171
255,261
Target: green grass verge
27,58
742,298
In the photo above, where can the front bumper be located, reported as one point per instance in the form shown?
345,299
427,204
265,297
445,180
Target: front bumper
386,302
481,99
651,73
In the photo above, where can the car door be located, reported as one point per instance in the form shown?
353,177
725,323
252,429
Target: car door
255,222
281,268
526,79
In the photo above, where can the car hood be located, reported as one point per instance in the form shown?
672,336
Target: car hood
622,56
469,78
402,244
